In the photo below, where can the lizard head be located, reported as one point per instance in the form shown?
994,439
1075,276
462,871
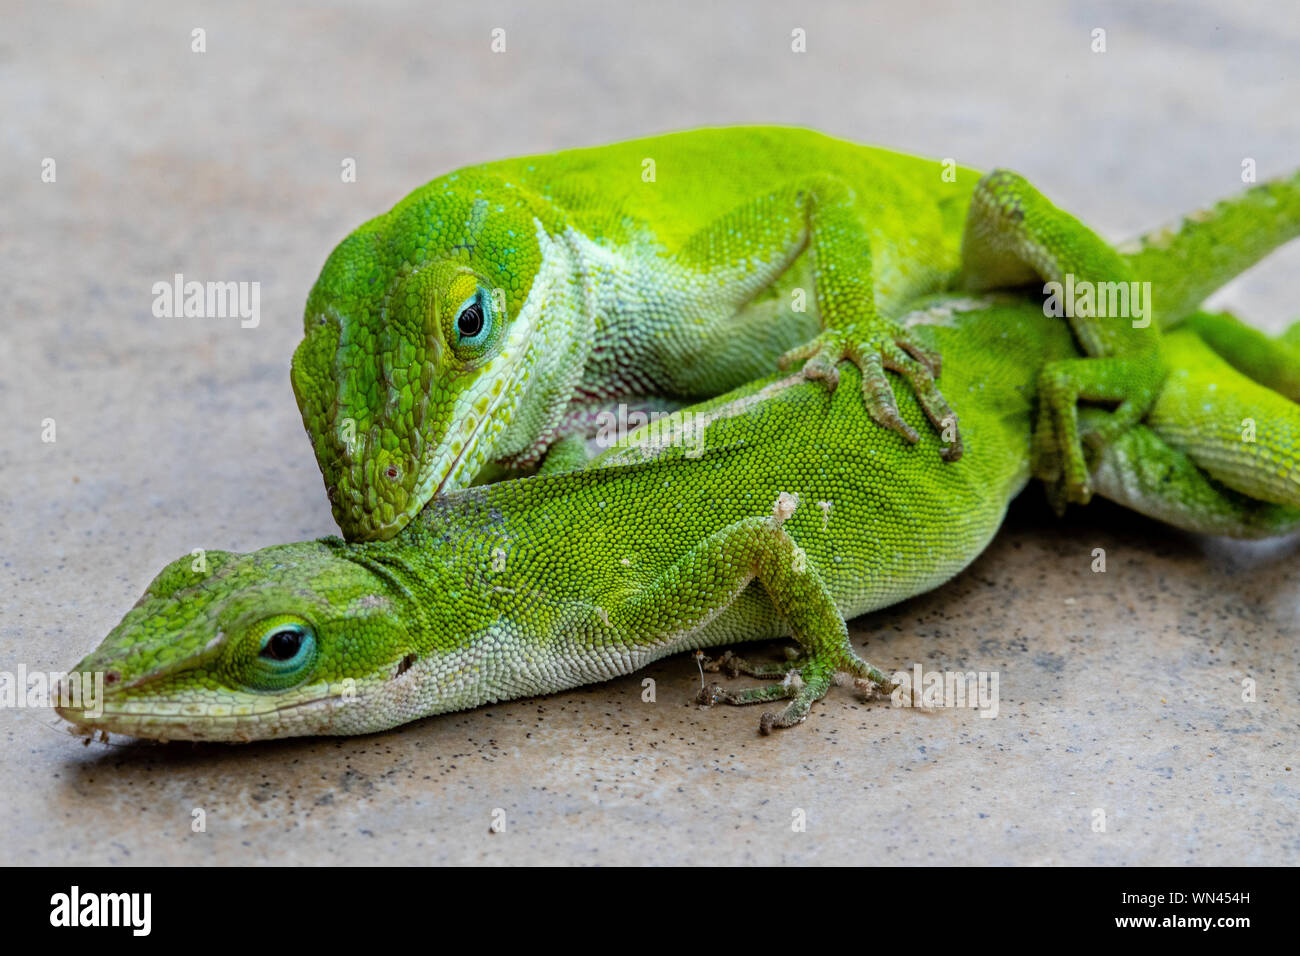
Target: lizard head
285,641
417,342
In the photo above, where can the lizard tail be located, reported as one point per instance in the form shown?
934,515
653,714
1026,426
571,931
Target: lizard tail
1291,337
1241,433
1186,262
1274,363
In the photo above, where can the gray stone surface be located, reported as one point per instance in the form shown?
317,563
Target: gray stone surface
1120,692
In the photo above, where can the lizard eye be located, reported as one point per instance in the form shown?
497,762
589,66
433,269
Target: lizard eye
470,321
285,649
283,645
475,325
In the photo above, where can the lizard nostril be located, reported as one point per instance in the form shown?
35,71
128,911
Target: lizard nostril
112,677
392,472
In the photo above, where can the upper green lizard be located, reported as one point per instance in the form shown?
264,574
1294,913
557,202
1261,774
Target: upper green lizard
799,513
492,310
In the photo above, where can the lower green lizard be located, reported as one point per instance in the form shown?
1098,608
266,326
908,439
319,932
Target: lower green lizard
800,512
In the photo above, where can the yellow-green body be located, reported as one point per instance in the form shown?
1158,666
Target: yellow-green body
491,313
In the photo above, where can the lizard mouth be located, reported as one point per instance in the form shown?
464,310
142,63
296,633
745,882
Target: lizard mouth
186,720
470,443
433,482
440,469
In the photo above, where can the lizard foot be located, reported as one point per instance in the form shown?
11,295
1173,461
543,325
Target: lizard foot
1130,383
894,349
804,682
733,665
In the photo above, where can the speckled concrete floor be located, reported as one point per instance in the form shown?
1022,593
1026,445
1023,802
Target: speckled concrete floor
1120,692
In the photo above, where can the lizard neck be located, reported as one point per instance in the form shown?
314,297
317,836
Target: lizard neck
558,322
582,315
470,571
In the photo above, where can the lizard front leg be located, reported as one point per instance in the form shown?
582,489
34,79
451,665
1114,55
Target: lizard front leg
735,665
816,231
855,327
1015,236
710,577
568,453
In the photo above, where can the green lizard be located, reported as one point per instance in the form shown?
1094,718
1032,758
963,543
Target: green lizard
799,513
490,312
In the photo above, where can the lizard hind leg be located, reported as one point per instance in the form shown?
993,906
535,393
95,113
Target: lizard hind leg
760,549
1015,236
1059,443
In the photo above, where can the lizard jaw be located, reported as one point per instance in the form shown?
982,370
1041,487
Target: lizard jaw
190,720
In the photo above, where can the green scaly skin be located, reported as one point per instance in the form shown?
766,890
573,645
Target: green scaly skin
490,311
799,513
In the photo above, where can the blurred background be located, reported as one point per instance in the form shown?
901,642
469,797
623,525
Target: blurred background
180,433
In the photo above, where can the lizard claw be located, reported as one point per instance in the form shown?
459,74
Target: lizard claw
873,357
709,695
